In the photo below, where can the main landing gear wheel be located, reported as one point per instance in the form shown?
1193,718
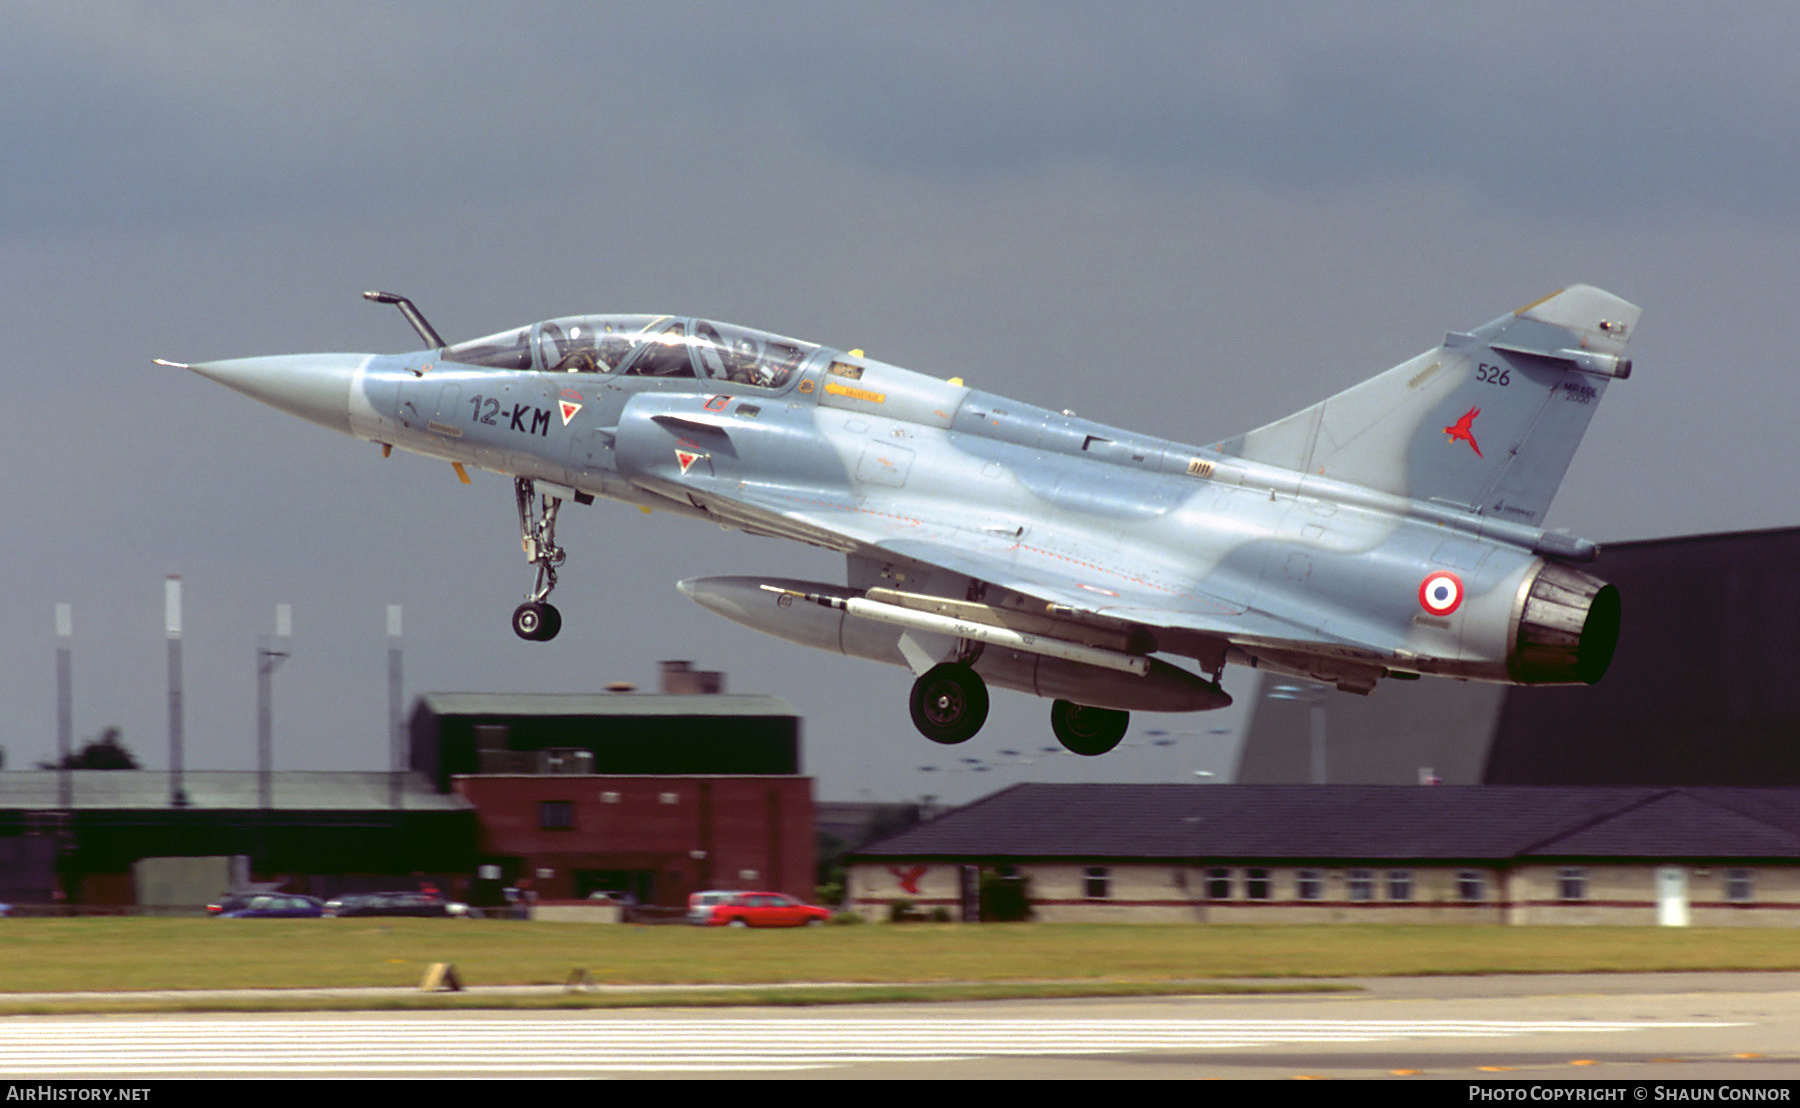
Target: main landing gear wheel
949,703
1087,731
536,621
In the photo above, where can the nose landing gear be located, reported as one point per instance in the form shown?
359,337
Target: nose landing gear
537,620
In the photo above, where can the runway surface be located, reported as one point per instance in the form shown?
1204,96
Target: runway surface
1672,1027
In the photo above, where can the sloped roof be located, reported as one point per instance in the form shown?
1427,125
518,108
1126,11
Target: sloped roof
1773,806
1354,822
1677,824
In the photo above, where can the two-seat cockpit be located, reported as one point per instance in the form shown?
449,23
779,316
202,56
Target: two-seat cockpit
647,347
657,346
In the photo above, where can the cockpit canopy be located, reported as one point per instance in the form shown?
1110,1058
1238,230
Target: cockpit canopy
641,346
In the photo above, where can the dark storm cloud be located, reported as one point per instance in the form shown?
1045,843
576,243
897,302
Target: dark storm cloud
121,115
124,114
1551,107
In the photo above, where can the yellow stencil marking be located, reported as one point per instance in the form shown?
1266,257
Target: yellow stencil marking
836,389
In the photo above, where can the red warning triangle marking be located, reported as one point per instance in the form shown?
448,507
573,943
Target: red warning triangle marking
569,408
687,458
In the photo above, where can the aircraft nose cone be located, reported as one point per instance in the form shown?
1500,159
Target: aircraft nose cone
736,598
705,592
314,387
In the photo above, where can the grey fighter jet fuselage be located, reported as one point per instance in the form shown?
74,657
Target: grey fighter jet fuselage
1392,530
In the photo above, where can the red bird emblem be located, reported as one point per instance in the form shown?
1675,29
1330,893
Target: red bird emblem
908,878
1464,429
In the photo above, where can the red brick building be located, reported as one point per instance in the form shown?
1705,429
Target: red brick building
653,838
649,796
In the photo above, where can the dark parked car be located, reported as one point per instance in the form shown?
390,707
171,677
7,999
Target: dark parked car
399,904
267,906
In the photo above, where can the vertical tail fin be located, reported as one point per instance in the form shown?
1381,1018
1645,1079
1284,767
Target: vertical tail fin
1487,422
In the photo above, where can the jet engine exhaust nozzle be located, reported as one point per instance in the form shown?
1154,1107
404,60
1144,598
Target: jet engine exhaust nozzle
1568,629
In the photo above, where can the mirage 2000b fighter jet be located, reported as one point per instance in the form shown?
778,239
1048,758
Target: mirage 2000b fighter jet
1390,531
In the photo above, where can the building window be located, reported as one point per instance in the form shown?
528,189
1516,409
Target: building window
1096,883
1362,884
1740,888
1470,885
1256,884
1218,884
556,815
1399,884
1309,884
1571,883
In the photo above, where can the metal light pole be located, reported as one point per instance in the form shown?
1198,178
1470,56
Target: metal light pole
65,707
172,627
270,653
396,745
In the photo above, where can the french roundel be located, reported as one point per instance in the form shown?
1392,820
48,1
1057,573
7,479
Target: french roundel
1441,593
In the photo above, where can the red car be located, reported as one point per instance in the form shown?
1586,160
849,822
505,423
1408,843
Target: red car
765,910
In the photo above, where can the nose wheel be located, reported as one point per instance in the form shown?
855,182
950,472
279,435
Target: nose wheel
537,620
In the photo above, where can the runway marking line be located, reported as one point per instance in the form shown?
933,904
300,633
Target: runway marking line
588,1045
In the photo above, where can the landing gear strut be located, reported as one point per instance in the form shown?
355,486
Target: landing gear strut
1087,731
949,703
537,620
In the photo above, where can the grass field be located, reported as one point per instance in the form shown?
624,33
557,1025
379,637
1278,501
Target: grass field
920,961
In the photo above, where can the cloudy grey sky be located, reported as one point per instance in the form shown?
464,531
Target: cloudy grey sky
1184,218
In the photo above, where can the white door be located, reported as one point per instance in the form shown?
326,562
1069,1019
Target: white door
1671,896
